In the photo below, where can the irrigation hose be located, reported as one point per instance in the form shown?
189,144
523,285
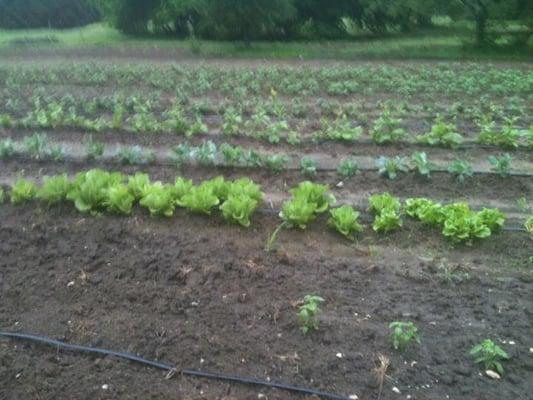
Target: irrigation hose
171,368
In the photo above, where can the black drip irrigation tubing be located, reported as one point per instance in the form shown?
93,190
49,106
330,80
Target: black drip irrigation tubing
170,368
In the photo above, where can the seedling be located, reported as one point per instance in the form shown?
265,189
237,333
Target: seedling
57,153
35,145
308,166
276,162
501,164
442,134
461,169
489,354
94,149
308,313
390,167
7,148
402,334
347,168
529,225
421,164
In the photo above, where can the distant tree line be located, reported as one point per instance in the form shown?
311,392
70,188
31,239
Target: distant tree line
261,19
25,14
290,19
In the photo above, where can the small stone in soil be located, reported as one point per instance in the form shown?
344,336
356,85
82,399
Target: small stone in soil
492,374
396,390
353,397
105,386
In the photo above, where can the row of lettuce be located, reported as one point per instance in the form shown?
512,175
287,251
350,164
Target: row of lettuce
95,191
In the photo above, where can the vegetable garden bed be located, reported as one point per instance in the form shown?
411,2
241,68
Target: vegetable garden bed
201,292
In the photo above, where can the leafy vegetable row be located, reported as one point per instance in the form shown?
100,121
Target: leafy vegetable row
97,191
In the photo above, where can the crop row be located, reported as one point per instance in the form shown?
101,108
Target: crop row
365,79
260,126
208,154
98,191
18,100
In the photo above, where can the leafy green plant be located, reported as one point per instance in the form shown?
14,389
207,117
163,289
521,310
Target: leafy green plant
119,199
276,162
182,187
308,166
308,313
89,189
57,153
490,355
238,209
387,129
501,164
35,145
345,220
390,167
200,199
182,154
134,155
461,169
205,154
342,130
347,168
462,224
425,210
298,212
384,201
421,164
528,225
232,155
94,149
159,200
22,191
54,189
2,196
138,184
403,333
314,193
442,134
387,212
245,186
7,148
294,138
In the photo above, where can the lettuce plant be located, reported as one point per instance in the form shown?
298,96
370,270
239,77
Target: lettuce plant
119,199
22,191
344,219
425,210
219,186
245,186
200,199
232,155
88,189
387,210
7,148
298,212
137,185
380,202
276,162
387,129
54,189
159,200
182,186
461,224
442,134
314,193
238,209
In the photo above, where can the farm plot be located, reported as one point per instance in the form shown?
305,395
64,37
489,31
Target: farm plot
268,221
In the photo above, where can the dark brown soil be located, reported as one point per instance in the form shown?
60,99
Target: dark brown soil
200,294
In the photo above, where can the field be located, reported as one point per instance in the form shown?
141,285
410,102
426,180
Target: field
206,291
